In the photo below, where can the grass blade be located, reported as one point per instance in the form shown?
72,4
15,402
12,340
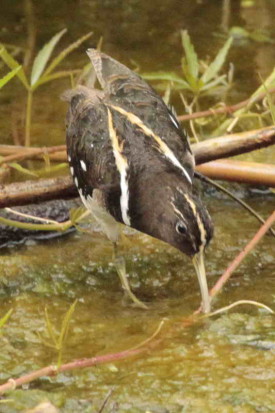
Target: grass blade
190,54
43,56
220,80
56,75
13,64
9,76
214,68
166,76
65,324
21,169
4,319
58,59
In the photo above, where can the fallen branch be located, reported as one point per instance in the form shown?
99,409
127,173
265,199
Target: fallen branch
21,153
232,145
239,171
31,192
238,260
205,151
12,384
60,188
224,109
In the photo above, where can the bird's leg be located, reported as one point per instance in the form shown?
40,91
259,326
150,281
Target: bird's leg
119,262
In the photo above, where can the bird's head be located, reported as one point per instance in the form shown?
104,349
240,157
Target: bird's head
178,217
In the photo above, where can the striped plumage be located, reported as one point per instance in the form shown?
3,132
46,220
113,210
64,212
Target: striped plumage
131,161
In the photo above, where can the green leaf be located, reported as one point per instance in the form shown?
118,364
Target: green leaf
220,80
268,84
56,75
57,60
4,319
166,76
9,76
214,68
21,169
192,81
65,324
190,54
43,56
13,64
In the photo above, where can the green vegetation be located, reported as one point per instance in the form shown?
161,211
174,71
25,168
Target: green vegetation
42,71
57,339
198,77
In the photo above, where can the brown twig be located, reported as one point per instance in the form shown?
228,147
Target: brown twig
238,260
30,153
32,192
205,151
223,110
105,401
11,384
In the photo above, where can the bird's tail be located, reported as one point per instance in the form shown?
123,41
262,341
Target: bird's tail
111,73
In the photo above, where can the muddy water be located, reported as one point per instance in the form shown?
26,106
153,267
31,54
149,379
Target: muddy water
225,364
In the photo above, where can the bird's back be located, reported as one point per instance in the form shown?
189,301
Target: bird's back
124,130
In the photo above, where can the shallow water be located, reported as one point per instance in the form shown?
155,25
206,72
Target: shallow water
225,364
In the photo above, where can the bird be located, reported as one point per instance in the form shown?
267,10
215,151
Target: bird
132,164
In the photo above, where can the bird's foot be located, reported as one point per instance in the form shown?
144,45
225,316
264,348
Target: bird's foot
121,270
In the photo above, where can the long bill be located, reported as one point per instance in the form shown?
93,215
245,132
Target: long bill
198,261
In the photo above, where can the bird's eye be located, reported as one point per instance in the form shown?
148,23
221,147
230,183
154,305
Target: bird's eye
181,228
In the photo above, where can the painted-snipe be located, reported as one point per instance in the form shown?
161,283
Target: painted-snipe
132,164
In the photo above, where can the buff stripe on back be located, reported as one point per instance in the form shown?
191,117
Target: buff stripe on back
164,149
122,166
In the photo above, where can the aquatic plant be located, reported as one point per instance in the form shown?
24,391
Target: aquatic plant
4,319
198,77
57,339
9,75
42,71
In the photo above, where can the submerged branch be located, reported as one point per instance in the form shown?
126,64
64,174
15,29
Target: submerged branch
12,384
238,260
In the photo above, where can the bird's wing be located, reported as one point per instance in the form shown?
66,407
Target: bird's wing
90,151
127,93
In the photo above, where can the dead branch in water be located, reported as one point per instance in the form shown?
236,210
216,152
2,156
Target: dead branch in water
28,192
240,257
205,151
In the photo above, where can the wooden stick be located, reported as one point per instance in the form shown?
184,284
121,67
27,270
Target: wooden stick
30,153
11,384
29,192
234,144
205,151
58,188
239,171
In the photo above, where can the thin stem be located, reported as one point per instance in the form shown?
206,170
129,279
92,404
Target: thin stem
28,119
37,227
238,260
231,195
225,109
